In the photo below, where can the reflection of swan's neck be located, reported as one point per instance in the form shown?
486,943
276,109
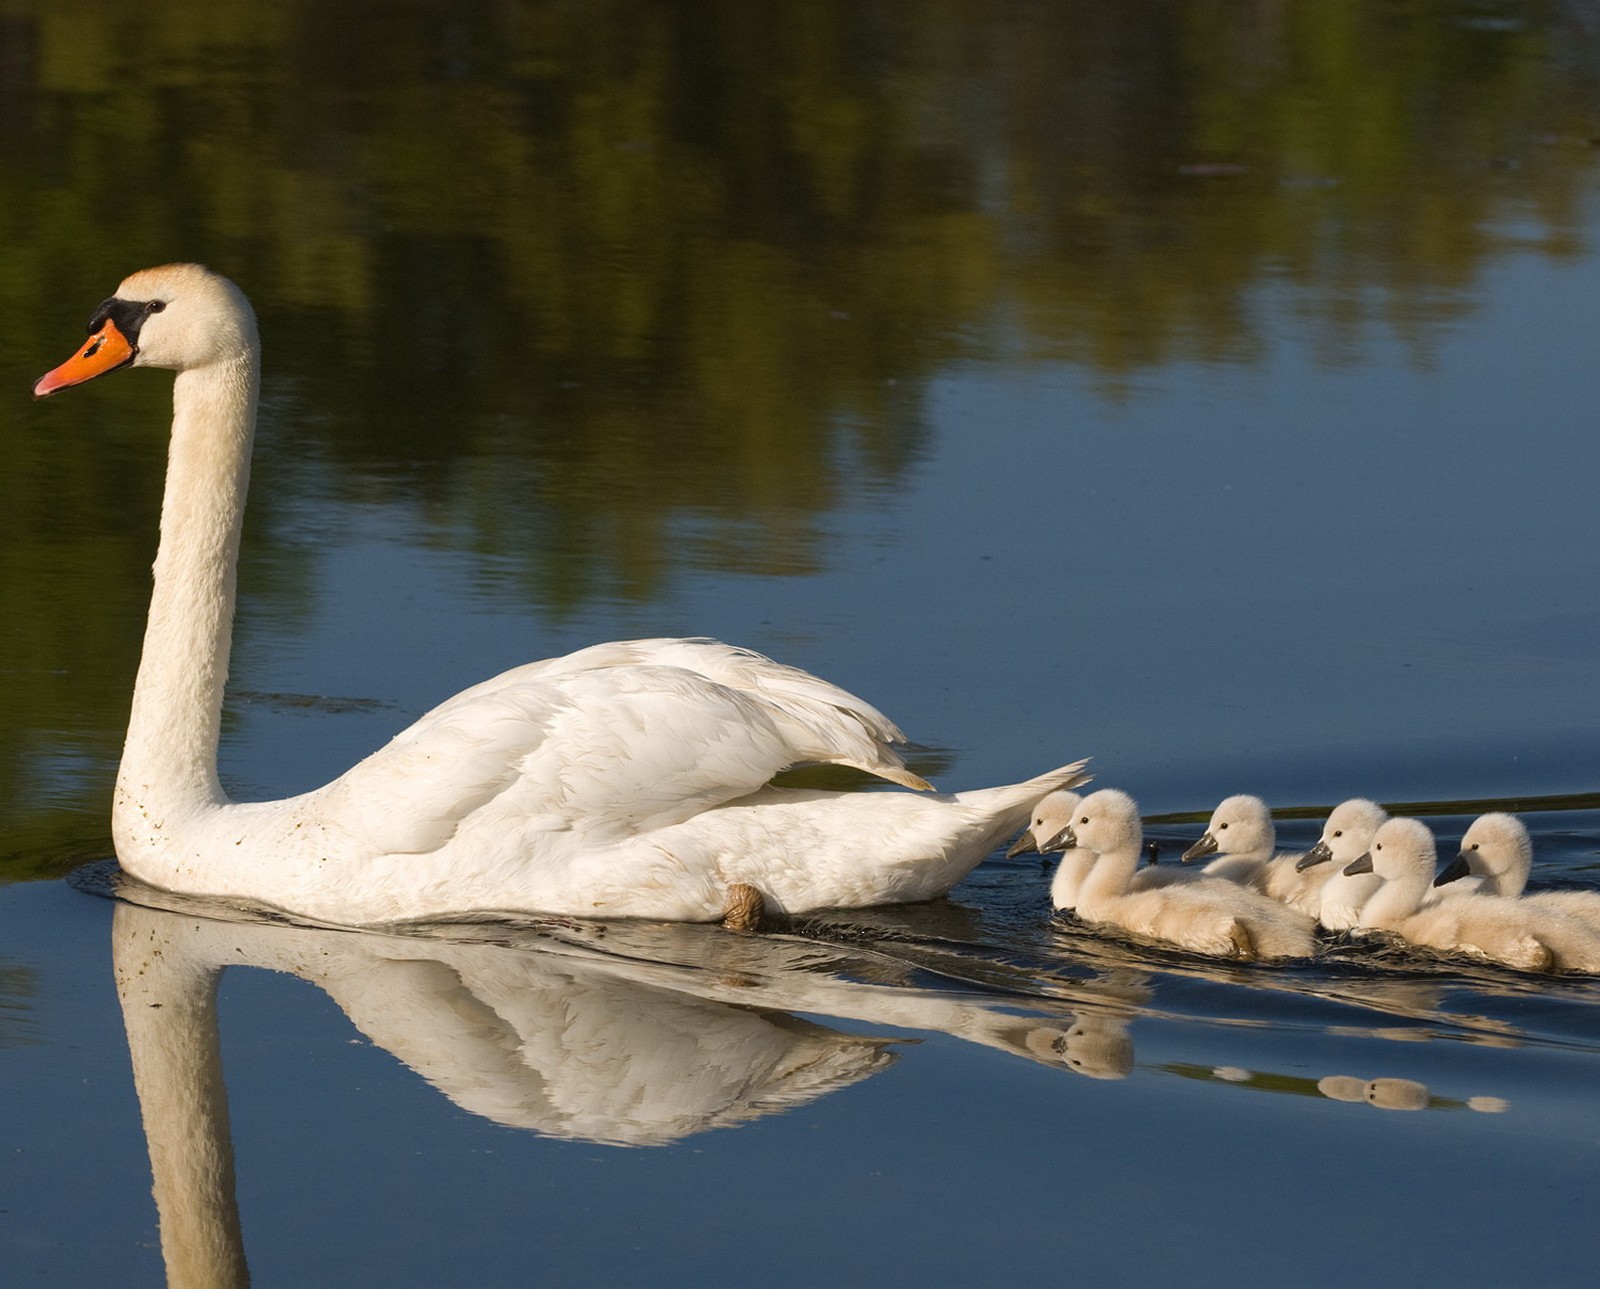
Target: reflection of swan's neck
169,1007
169,764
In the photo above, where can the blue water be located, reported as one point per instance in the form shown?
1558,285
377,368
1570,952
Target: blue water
1344,546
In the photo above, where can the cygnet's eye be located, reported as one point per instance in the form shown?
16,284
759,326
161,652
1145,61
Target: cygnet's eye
1474,845
1378,847
1084,820
1222,827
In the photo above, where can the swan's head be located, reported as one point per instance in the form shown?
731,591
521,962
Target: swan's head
1401,848
1104,821
1241,825
179,316
1050,819
1347,834
1496,846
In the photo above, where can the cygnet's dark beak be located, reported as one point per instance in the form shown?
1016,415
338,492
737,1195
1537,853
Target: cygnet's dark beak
1024,844
1207,845
1066,839
1361,864
1321,853
1457,868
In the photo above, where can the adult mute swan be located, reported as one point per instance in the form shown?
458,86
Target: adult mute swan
1346,835
622,780
1207,915
1490,927
1498,851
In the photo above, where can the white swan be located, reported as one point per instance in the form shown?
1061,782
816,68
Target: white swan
1498,851
622,780
1346,835
1207,915
1044,833
1242,836
1489,927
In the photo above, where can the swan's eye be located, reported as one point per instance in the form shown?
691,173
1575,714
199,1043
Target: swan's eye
155,306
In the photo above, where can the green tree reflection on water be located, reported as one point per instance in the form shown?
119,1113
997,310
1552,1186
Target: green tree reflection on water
621,287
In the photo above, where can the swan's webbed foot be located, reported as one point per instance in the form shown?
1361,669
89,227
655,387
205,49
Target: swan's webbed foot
744,908
1244,948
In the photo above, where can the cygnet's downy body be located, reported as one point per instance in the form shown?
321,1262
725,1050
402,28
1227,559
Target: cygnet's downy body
1242,837
1346,836
1044,834
1206,915
1498,851
1488,927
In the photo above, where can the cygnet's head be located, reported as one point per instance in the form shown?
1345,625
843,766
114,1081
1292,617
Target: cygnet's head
179,316
1347,833
1105,821
1401,848
1240,825
1495,846
1050,819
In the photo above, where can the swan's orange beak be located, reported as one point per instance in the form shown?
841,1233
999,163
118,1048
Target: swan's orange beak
107,350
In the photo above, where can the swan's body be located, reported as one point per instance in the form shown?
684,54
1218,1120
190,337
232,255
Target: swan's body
622,780
1206,915
1489,927
1043,833
1346,836
1498,853
1245,842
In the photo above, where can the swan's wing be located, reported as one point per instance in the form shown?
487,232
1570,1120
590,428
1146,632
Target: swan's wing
602,754
821,721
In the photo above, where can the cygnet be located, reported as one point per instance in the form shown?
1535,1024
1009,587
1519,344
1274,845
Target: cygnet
1346,835
1242,837
1044,835
1205,915
1498,851
1491,927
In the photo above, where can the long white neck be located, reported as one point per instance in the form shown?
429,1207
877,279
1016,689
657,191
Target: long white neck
1397,899
1109,878
169,763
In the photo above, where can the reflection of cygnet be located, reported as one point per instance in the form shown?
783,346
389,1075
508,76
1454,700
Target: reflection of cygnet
1203,916
1498,850
1397,1094
1386,1094
1346,836
1342,1087
1510,932
1097,1045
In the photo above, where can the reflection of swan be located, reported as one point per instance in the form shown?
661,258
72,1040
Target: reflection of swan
1242,837
1497,849
1346,834
546,1035
587,785
1204,916
1510,932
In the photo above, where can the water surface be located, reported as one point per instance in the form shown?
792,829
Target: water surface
1202,389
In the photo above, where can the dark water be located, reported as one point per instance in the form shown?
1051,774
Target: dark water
1204,388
